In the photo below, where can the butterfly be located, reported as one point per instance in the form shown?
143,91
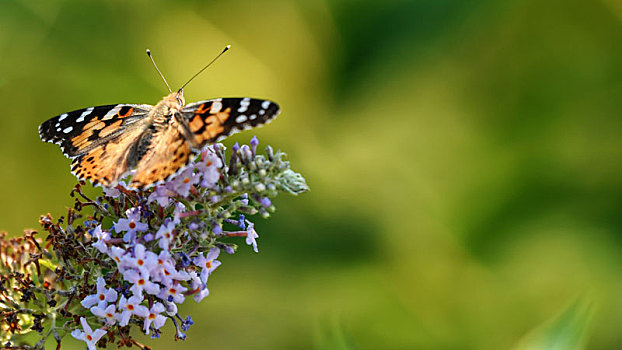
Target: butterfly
105,143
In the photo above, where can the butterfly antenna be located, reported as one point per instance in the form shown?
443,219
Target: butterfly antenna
207,65
158,69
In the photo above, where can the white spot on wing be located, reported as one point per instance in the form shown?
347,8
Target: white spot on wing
111,113
84,114
241,118
62,116
244,104
265,104
68,129
253,117
262,112
216,107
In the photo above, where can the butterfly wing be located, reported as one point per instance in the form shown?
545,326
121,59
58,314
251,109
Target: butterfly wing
103,142
79,131
210,121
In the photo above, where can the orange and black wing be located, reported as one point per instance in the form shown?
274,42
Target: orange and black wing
211,121
103,142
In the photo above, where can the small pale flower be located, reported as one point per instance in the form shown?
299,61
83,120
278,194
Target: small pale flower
165,235
207,263
166,273
254,144
251,236
109,314
154,320
179,208
102,297
91,337
209,169
132,225
184,181
117,255
173,292
171,308
142,259
129,307
111,192
195,281
102,237
163,258
162,195
141,282
203,292
265,201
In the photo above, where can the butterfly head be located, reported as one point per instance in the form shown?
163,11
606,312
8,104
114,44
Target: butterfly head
171,104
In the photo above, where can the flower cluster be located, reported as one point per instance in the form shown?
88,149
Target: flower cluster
140,254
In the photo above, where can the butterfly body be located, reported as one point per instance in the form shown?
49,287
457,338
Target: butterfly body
154,142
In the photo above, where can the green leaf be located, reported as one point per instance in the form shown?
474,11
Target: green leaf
567,331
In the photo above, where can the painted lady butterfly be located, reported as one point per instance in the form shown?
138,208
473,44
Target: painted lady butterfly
107,142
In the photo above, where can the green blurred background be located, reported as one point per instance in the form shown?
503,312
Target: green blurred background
464,157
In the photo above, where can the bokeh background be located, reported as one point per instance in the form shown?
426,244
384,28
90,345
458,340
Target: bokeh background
464,158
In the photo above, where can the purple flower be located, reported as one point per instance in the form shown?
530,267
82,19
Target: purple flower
244,200
240,222
173,292
102,297
185,259
162,195
88,335
166,273
102,237
251,236
143,260
141,282
132,224
254,143
195,281
203,292
171,308
109,314
217,229
111,192
129,307
184,181
209,168
154,319
165,235
207,264
117,255
185,324
265,201
179,208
